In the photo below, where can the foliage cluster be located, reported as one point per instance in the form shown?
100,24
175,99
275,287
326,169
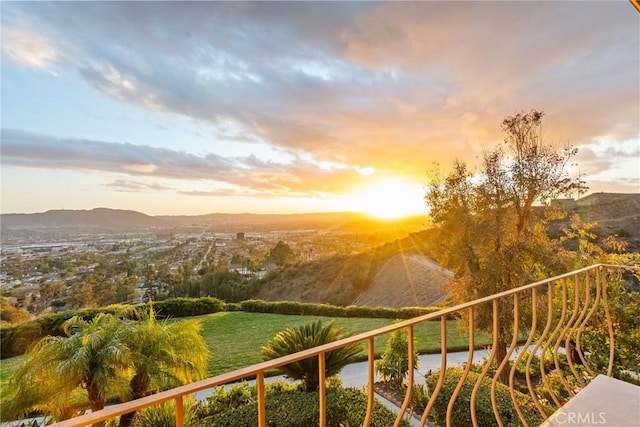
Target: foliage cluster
489,232
185,307
16,339
229,286
394,364
290,406
10,314
624,309
123,357
307,336
314,309
461,414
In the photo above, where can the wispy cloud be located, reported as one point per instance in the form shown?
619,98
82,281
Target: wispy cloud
249,173
136,186
28,48
384,86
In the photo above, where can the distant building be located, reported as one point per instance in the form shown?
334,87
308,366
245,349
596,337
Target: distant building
243,270
240,236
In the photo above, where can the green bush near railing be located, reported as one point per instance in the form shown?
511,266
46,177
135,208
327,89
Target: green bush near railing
290,406
461,414
16,339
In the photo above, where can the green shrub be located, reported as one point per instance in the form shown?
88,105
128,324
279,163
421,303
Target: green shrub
307,336
419,398
394,365
233,306
164,415
185,307
461,414
314,309
289,406
553,385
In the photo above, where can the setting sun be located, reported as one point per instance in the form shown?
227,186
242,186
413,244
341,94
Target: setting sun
389,198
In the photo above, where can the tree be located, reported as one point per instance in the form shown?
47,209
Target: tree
108,356
165,355
93,356
292,340
489,230
11,314
394,365
280,254
50,291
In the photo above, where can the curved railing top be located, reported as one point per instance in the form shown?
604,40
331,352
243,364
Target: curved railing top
260,368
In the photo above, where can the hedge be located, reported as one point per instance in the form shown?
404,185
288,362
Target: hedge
461,414
185,307
313,309
16,339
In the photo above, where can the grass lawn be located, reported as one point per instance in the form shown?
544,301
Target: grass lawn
235,338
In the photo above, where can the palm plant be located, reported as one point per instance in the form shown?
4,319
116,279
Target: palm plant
93,356
167,354
293,340
107,356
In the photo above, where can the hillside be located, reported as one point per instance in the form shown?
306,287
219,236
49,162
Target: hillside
98,217
615,213
397,274
406,281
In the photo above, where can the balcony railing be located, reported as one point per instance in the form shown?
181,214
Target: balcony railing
550,316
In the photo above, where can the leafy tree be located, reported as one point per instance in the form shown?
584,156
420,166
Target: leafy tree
82,295
394,365
11,314
280,254
50,291
488,229
292,340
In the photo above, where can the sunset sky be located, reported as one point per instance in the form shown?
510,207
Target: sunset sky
192,108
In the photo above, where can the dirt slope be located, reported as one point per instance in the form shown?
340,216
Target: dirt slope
406,281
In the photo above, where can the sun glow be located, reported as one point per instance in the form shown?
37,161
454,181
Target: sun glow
389,198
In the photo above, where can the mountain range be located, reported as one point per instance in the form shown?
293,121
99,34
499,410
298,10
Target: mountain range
616,213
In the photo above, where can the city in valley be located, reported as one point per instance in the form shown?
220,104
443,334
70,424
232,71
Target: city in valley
53,267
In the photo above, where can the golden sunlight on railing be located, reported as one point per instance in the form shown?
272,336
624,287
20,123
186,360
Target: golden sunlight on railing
547,326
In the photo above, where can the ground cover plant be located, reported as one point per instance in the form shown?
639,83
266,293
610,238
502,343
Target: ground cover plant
290,406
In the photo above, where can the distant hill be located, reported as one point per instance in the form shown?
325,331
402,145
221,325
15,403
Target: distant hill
353,221
99,217
615,213
217,222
